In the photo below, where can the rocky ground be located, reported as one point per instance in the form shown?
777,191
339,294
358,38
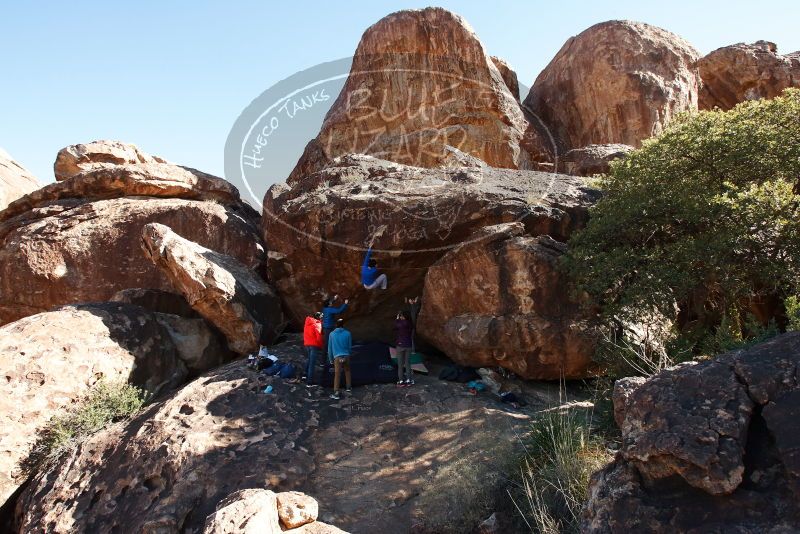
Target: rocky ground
384,459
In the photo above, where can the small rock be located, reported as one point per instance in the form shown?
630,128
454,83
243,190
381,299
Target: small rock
492,379
740,72
219,287
250,511
295,509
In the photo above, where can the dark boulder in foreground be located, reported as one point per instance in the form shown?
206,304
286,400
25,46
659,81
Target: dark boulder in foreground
707,447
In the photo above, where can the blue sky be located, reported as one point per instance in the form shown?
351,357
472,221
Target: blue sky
172,76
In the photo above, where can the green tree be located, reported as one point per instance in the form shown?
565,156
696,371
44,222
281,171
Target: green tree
706,215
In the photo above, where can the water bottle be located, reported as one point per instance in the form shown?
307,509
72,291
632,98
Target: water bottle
268,389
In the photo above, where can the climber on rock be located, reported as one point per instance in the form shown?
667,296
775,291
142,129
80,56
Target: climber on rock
370,276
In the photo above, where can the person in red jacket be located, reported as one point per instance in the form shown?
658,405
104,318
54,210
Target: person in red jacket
312,342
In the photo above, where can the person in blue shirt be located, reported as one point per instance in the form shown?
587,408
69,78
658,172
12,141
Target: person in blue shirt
329,313
340,344
370,276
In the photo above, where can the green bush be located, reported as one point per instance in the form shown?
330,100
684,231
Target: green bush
707,215
792,305
563,453
106,403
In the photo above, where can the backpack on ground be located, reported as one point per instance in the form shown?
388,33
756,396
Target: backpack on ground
459,373
287,371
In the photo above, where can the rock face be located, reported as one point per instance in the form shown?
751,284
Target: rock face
616,82
49,240
168,469
157,301
199,346
296,509
508,74
740,72
622,394
73,159
712,444
160,180
15,180
593,159
421,81
500,301
317,231
224,291
51,359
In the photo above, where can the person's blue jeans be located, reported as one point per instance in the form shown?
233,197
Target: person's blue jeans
326,333
313,353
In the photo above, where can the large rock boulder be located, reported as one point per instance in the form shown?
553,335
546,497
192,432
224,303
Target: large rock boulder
226,292
73,159
421,81
167,469
500,300
616,82
709,445
78,240
296,509
318,229
593,159
509,75
160,180
15,180
740,72
51,359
